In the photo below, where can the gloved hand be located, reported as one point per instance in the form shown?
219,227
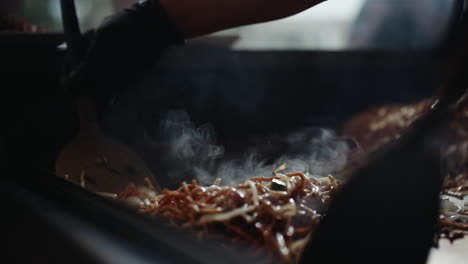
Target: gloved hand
122,48
129,42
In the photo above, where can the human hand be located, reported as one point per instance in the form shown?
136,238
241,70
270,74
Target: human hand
130,42
123,47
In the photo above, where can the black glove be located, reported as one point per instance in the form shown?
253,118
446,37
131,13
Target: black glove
122,49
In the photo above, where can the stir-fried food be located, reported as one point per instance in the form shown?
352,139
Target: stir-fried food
273,214
276,215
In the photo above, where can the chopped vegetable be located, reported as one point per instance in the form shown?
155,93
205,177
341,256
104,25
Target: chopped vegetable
277,185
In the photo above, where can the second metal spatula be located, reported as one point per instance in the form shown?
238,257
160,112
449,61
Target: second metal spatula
387,212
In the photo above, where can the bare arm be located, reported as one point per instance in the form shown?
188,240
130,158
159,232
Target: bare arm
199,17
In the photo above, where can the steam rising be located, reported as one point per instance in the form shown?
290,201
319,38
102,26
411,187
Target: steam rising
194,152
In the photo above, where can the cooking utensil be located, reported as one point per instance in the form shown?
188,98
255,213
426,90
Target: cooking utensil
92,159
387,212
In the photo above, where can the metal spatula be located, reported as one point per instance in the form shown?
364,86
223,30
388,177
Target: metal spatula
92,159
387,212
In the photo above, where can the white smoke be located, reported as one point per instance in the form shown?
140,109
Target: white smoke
193,152
188,142
316,151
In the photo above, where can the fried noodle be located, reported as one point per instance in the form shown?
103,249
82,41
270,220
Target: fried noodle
273,214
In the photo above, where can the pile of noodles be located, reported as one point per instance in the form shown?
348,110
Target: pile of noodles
274,215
